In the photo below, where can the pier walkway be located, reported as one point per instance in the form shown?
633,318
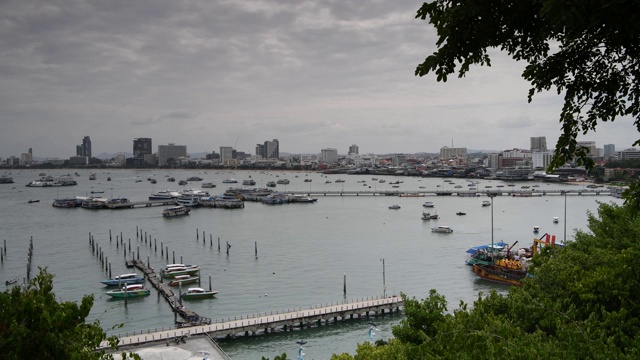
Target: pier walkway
144,203
422,192
270,322
168,294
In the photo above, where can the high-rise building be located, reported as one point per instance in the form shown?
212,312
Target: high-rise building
538,143
226,154
447,153
141,147
169,154
269,150
609,150
353,149
328,156
84,149
590,145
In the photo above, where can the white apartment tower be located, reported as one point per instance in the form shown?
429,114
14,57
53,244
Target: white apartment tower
328,156
226,154
448,153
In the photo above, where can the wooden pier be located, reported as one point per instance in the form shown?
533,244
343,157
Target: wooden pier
252,325
173,299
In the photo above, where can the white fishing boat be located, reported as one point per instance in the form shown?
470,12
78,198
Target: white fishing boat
428,204
555,220
486,203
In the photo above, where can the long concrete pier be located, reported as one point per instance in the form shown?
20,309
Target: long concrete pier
470,193
269,322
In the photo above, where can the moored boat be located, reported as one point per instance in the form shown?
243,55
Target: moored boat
302,199
428,204
11,281
394,207
229,181
199,293
486,254
208,185
175,211
172,272
500,274
124,279
133,290
442,229
486,203
184,280
271,184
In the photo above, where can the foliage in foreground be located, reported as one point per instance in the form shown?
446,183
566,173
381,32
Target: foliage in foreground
581,303
586,50
34,325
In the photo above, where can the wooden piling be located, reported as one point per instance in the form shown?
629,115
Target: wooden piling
218,244
197,234
210,240
110,235
344,286
256,246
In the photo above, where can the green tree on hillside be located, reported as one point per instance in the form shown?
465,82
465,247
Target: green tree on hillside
586,50
34,325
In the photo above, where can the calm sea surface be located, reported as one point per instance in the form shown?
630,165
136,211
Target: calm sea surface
303,249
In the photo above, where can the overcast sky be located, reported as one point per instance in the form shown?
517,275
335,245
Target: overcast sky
210,73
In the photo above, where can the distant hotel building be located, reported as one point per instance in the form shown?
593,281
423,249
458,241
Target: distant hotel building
609,150
538,144
84,149
353,149
447,153
226,155
169,154
328,156
269,150
142,146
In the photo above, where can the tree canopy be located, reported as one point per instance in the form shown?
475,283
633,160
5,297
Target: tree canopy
34,325
579,303
587,50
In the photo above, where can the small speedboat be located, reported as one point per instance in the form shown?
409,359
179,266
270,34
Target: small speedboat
124,279
394,207
555,220
33,201
198,293
11,281
134,290
461,213
184,280
536,229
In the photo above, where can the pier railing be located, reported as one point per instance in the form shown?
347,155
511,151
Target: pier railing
260,319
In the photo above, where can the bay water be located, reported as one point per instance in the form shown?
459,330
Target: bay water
304,250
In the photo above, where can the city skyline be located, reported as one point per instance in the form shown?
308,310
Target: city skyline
312,75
